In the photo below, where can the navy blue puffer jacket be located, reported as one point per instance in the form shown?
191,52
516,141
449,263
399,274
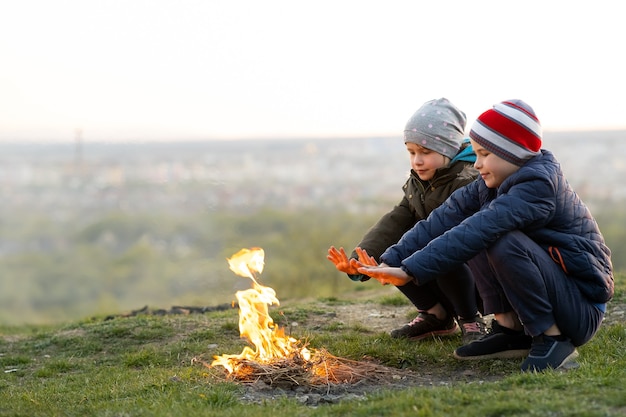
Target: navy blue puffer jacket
537,200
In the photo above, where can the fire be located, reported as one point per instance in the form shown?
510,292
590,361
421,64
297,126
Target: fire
277,358
255,324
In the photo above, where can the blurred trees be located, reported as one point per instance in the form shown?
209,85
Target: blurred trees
121,262
117,262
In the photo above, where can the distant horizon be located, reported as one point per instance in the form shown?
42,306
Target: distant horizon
277,138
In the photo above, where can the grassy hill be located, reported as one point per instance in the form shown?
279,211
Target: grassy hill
152,363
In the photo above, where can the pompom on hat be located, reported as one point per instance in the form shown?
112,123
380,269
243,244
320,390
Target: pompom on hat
509,130
438,125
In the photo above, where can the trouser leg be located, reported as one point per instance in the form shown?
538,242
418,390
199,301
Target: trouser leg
493,298
455,291
423,297
460,289
535,287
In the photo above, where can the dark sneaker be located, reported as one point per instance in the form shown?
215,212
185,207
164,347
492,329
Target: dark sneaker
501,343
472,329
547,352
425,325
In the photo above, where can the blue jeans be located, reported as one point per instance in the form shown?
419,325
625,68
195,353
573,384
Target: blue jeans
516,274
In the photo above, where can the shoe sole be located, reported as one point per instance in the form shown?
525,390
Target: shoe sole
505,354
569,359
563,365
435,333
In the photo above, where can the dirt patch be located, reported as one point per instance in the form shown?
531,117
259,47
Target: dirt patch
314,395
374,317
385,318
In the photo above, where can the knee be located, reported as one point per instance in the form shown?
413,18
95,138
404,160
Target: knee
507,246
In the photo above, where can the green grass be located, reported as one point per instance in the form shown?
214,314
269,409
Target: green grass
145,366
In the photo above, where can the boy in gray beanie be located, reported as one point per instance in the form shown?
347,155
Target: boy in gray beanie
441,162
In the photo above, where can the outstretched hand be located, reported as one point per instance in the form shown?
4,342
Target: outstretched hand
341,261
386,274
364,259
349,266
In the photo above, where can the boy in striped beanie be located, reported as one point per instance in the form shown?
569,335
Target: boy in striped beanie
512,133
510,130
540,262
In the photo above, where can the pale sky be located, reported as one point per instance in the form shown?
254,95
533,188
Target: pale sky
125,70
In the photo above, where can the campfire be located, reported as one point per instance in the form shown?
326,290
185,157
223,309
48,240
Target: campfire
277,358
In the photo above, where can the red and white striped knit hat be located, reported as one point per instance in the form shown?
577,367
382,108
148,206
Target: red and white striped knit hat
510,130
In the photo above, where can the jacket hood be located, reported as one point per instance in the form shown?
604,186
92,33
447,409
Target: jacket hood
466,154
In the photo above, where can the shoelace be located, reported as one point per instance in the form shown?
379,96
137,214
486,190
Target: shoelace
471,327
416,320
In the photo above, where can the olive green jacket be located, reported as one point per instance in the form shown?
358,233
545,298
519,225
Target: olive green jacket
420,198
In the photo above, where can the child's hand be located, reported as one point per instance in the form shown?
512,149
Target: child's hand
364,259
341,261
386,275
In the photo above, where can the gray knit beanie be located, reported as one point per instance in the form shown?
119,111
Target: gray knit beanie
438,125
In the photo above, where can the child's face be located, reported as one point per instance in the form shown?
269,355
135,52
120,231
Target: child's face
493,169
424,161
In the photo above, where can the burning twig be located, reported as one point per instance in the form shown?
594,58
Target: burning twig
322,369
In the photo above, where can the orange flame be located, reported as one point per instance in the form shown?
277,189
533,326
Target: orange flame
255,323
